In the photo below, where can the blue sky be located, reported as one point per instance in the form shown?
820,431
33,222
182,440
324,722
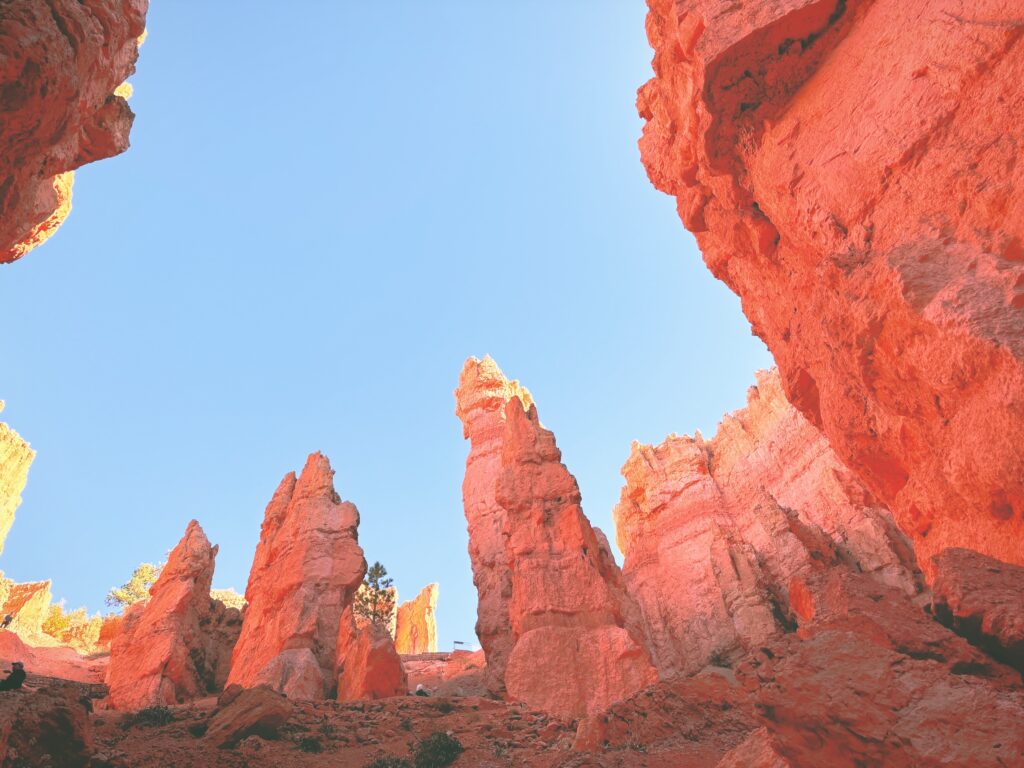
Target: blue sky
321,216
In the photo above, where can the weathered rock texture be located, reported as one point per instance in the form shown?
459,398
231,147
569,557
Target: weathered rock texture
49,727
416,627
29,604
868,210
368,664
721,537
162,653
983,600
257,711
558,629
61,62
307,568
15,459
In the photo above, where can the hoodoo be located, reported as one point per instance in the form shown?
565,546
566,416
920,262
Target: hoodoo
15,459
875,233
62,63
161,654
307,568
416,627
559,631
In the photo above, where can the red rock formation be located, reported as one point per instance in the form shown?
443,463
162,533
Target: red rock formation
368,664
416,627
15,459
257,711
160,655
747,521
49,727
558,629
874,234
29,604
464,669
983,600
307,568
60,64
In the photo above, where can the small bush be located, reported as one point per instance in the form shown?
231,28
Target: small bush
444,706
198,729
437,751
310,744
150,716
389,762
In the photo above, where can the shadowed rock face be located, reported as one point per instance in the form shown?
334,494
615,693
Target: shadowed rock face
61,62
874,234
368,664
558,629
161,655
307,568
416,627
726,539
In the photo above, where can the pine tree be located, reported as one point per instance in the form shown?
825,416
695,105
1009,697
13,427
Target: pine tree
375,600
136,588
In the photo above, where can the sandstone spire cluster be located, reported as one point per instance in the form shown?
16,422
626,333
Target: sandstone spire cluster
564,635
874,234
307,568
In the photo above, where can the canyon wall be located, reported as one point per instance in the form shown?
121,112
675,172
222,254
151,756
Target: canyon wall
307,568
724,538
557,627
416,626
62,66
849,169
15,459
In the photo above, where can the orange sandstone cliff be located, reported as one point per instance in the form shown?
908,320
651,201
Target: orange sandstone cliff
416,626
15,459
558,629
850,170
368,664
307,568
62,63
749,522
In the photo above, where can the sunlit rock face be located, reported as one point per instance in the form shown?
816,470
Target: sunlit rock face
161,654
368,664
61,62
307,568
15,460
416,627
557,627
725,540
27,603
874,234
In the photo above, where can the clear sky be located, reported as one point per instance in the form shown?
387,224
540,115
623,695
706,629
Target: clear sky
323,213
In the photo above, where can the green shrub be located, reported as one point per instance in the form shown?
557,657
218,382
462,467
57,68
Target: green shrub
310,744
437,751
389,762
150,716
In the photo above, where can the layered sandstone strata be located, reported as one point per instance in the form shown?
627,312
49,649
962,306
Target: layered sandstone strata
748,521
62,63
559,631
416,626
162,653
368,664
875,233
15,459
307,568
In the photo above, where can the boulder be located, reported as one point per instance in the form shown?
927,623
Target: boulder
162,654
368,664
307,568
558,629
48,727
61,65
258,711
873,234
416,626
